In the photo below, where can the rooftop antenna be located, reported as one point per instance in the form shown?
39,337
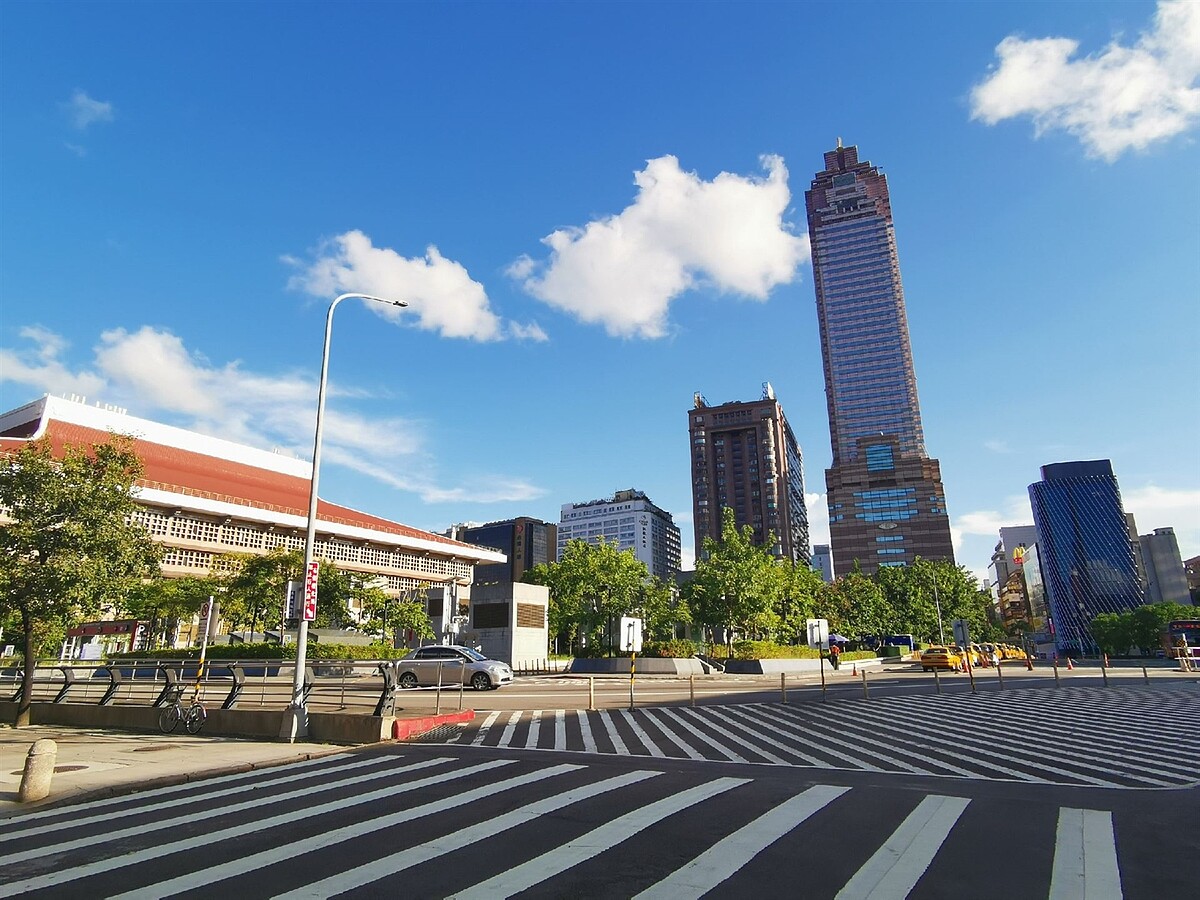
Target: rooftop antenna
839,143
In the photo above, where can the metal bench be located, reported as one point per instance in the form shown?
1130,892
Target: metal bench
391,687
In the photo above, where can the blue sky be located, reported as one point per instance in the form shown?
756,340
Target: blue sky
595,210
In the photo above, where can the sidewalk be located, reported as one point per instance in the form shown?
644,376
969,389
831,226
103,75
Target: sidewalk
108,762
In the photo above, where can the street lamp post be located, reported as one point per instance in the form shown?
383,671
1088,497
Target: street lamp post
295,720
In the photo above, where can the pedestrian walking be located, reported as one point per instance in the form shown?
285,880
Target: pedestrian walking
835,653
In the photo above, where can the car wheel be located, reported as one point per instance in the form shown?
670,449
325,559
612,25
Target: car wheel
408,680
480,681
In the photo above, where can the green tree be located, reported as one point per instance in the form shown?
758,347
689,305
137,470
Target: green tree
590,587
255,587
71,545
738,585
163,602
1113,632
1146,622
854,606
384,612
798,600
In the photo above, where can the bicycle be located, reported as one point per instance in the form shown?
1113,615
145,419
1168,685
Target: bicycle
192,716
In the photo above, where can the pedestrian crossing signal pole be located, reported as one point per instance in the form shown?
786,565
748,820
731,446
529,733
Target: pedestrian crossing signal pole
631,641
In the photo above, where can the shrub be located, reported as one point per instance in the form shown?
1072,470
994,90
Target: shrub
771,650
672,649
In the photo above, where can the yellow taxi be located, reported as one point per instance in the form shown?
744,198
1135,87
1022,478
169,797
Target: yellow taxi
940,658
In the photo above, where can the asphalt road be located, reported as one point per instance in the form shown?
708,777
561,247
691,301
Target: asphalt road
454,821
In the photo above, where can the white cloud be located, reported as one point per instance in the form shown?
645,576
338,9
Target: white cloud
41,369
988,522
154,375
623,271
531,332
83,111
1178,508
1123,98
439,292
818,518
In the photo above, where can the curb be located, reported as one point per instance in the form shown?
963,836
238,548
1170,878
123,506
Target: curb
403,729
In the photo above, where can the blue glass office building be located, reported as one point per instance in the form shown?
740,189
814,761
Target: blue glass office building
1084,549
887,506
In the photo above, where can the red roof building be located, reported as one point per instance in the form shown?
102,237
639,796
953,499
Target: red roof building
201,496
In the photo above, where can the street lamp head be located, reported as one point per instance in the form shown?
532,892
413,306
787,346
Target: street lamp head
400,303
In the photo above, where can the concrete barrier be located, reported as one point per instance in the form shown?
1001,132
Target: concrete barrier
646,665
330,728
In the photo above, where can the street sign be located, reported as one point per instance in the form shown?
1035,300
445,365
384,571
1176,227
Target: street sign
818,633
631,634
962,632
292,600
310,591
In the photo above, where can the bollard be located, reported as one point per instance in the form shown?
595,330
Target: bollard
462,680
783,686
39,767
1000,675
692,689
1056,681
591,693
1104,672
866,693
937,681
437,706
1145,675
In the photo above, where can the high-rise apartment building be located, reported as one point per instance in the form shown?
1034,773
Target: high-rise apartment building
745,457
1084,550
525,541
887,505
632,522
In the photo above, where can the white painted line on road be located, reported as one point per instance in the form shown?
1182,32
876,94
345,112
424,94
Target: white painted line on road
58,875
483,728
757,735
535,729
676,739
720,748
727,856
650,746
1085,857
288,777
480,833
610,728
595,842
560,730
292,849
585,731
758,726
896,867
507,734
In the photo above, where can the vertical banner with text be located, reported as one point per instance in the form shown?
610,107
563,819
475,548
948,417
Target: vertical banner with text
310,591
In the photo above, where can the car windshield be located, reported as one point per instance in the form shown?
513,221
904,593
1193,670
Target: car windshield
472,654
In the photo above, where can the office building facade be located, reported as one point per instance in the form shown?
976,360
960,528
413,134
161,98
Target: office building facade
631,521
1084,551
745,457
887,505
527,542
1166,578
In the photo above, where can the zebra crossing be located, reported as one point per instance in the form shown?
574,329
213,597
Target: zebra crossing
433,824
1105,737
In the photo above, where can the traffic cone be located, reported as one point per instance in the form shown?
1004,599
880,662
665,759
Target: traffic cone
854,669
1070,665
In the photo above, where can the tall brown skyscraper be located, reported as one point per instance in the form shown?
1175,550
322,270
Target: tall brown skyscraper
745,456
886,501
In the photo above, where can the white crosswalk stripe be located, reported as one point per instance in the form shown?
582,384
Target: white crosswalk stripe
550,821
1086,737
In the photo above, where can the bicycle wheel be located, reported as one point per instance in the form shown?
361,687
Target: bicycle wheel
168,719
194,720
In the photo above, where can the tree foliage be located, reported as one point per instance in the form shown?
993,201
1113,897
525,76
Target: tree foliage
595,584
738,585
165,602
71,546
385,614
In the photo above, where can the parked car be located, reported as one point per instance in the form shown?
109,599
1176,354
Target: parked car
421,666
940,658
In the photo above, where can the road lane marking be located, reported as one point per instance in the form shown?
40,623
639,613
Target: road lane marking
610,728
560,730
1085,857
61,874
290,849
585,731
596,841
720,748
506,735
727,856
481,832
896,867
481,733
683,745
651,747
535,730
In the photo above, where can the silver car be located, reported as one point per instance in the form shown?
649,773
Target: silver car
420,668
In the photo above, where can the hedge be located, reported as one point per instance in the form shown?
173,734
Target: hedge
314,650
